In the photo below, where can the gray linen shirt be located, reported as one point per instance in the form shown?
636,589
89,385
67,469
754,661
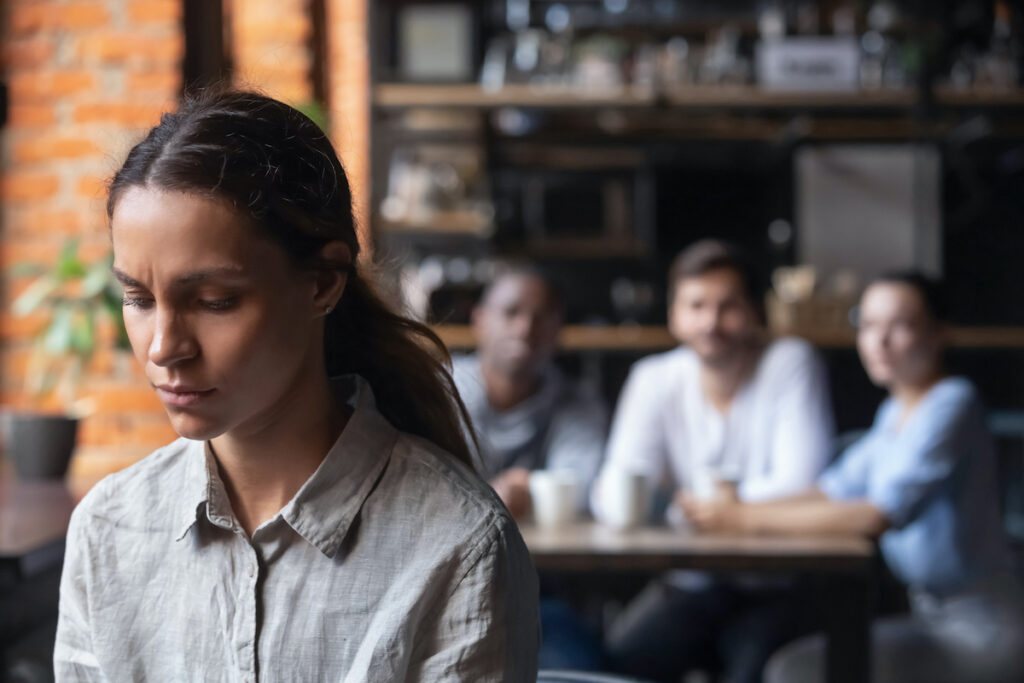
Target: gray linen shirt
392,563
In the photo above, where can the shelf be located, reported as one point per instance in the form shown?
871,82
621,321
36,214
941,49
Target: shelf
753,97
440,223
979,97
651,338
395,95
472,95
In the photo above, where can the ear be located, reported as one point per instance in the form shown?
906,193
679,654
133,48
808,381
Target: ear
330,282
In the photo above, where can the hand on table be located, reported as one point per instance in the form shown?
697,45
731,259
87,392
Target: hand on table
513,487
724,513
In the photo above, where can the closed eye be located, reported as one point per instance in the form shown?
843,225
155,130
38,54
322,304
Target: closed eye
136,301
219,304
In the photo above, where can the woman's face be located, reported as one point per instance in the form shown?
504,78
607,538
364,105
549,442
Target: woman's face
898,341
225,327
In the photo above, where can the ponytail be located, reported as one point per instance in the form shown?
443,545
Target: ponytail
405,363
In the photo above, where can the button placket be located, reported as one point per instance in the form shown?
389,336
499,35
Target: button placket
248,600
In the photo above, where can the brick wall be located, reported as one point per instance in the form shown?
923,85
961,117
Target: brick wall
86,79
270,47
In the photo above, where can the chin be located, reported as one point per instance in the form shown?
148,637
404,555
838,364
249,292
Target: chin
195,428
880,378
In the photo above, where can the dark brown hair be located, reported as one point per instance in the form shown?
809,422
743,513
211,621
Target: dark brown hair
708,255
277,168
931,290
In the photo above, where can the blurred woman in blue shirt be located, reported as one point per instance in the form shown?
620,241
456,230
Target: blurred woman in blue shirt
923,480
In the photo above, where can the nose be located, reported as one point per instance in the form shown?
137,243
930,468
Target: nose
172,341
523,325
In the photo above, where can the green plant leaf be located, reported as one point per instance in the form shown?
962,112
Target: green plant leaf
58,336
83,333
112,302
96,279
35,295
19,270
69,266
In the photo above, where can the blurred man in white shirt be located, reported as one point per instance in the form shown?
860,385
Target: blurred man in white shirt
729,413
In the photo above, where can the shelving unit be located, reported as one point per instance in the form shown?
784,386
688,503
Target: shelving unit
669,134
656,338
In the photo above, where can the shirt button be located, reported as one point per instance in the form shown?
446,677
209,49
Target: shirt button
252,572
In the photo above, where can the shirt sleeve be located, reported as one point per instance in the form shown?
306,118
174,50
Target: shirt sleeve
637,440
488,629
847,477
73,655
948,429
576,442
803,430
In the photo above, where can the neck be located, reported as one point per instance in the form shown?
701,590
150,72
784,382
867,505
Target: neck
909,394
722,381
505,390
263,468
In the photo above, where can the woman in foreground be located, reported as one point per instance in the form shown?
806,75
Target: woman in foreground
319,519
923,480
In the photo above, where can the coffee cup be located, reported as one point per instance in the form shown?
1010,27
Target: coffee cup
554,497
625,498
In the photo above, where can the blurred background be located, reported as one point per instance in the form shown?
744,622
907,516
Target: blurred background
831,139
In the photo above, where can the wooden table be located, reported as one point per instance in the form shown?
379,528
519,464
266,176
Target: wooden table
846,563
34,518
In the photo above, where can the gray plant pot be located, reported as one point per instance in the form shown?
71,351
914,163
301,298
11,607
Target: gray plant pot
39,446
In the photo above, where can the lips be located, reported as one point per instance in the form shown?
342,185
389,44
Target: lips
181,396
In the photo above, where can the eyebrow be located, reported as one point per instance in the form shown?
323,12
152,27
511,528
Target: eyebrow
186,279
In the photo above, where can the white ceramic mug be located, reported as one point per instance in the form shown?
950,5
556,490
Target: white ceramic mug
702,484
554,497
625,498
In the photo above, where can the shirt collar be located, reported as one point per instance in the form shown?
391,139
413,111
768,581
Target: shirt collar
323,509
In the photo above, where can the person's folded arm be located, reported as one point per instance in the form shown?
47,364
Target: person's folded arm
812,513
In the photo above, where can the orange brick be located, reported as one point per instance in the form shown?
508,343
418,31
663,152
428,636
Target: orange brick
26,53
167,81
46,149
91,187
31,116
163,11
15,363
20,327
133,115
45,222
115,430
50,85
36,251
21,400
40,16
21,186
288,28
113,47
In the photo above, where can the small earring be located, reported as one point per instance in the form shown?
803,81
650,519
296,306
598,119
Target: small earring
327,309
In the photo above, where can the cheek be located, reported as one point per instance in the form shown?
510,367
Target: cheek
737,320
139,332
